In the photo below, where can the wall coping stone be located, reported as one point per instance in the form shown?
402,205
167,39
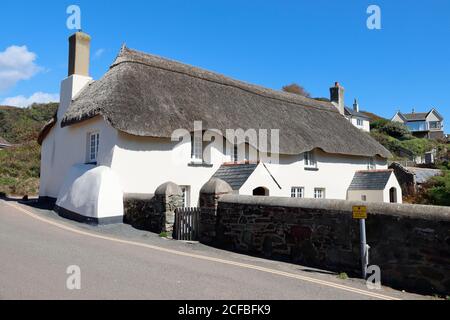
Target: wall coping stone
168,188
138,196
216,186
399,210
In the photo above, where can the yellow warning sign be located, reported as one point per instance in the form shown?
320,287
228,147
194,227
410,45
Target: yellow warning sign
359,212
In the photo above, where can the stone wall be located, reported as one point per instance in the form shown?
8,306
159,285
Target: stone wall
156,212
410,243
406,179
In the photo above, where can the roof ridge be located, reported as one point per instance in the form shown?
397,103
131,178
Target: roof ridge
227,81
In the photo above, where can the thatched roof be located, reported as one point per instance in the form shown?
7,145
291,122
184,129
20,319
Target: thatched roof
46,129
146,95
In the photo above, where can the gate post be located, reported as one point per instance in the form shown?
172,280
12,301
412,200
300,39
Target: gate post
210,194
169,197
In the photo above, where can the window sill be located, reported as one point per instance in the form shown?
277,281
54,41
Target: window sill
199,164
311,169
91,163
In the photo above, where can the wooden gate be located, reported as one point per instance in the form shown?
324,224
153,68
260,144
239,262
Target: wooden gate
186,226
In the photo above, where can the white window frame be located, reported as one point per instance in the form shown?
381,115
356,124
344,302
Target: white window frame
186,196
321,192
197,148
363,197
359,122
93,146
310,159
297,192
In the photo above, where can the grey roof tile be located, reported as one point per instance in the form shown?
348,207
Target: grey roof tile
370,180
235,174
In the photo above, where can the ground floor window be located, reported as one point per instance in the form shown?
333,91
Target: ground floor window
297,192
363,197
186,196
319,193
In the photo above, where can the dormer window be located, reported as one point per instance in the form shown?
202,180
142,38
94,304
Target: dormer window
310,161
94,140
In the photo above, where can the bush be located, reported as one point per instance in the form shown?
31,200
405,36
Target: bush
396,130
436,191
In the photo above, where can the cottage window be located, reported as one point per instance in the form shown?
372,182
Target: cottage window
94,140
197,147
319,193
359,122
363,197
310,160
297,192
235,157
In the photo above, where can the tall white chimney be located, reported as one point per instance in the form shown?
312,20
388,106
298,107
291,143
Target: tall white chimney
78,70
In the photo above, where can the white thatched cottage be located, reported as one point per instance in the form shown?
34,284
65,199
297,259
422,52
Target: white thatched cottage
115,135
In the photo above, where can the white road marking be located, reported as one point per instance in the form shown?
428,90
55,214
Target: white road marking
201,257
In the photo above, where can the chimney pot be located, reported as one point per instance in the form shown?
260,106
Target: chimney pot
79,51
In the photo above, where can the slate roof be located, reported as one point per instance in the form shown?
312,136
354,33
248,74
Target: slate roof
235,174
417,116
146,95
354,113
370,180
424,174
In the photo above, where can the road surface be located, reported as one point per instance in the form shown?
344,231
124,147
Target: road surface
119,262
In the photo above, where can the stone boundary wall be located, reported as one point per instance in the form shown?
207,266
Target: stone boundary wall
410,243
153,212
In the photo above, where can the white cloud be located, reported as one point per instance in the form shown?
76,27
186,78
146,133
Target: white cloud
99,53
16,64
37,97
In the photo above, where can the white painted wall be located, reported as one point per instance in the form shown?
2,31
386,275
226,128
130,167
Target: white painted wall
392,183
91,191
65,147
365,126
261,178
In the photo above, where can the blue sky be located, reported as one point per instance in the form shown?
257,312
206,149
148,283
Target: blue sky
406,64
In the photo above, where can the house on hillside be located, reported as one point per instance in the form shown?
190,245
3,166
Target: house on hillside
150,120
429,125
4,144
357,118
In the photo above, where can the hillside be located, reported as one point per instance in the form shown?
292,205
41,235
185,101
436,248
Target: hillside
20,164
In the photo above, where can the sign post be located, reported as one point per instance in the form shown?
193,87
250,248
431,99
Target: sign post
360,213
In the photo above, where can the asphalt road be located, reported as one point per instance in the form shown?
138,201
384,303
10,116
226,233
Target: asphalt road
119,262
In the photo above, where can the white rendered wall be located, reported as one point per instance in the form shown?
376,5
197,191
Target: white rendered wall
392,182
261,178
91,191
65,147
364,127
371,195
